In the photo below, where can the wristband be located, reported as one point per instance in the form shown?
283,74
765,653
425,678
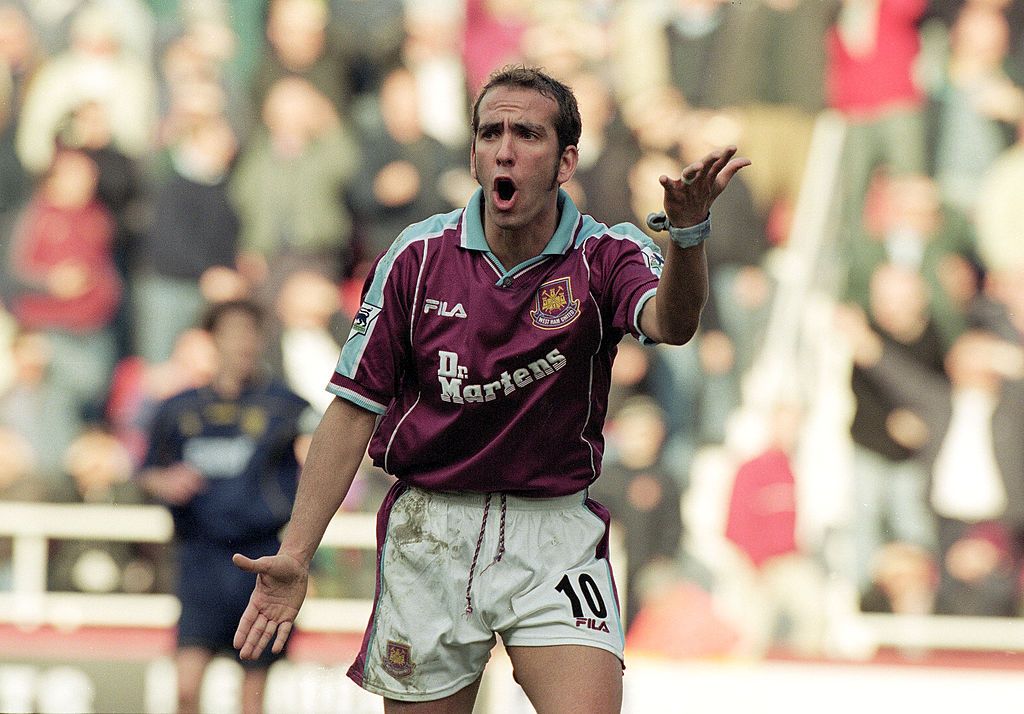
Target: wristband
683,237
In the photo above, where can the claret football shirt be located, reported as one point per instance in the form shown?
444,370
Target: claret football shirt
490,379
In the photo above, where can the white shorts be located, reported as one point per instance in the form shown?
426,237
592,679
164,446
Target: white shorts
454,569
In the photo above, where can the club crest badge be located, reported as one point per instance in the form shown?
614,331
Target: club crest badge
554,305
398,660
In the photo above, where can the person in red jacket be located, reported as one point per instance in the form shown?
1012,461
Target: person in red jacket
62,263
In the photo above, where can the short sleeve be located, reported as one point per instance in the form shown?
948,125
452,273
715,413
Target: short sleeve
631,265
375,355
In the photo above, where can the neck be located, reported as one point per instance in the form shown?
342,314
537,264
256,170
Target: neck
512,246
229,384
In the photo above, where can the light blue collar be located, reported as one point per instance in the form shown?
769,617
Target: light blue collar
473,236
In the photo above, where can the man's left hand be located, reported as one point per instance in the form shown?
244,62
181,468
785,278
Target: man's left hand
688,199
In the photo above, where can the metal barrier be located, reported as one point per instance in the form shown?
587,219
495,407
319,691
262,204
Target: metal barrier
28,604
32,525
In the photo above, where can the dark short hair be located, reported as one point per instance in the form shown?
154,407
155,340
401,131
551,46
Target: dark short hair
568,124
215,312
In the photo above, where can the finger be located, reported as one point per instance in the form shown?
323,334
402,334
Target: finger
721,159
247,564
692,172
672,185
252,648
267,636
283,630
715,161
244,625
730,170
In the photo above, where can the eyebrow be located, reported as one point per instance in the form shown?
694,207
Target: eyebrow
539,129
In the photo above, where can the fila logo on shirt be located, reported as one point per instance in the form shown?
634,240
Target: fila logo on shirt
442,309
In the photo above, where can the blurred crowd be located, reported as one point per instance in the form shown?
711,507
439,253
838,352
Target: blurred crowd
160,155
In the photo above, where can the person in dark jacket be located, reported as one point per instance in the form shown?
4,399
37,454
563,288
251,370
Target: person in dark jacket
224,459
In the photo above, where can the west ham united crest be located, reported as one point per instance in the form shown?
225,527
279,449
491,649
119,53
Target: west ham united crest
398,660
555,306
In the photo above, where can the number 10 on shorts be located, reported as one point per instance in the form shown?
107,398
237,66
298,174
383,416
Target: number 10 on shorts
591,594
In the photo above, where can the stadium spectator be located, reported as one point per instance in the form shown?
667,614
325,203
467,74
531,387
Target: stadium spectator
492,37
222,457
565,37
193,231
288,188
194,86
967,416
119,188
433,35
98,470
307,335
608,151
373,35
1000,312
41,412
873,48
61,258
18,482
772,55
642,496
903,580
999,209
978,576
20,57
889,500
975,110
97,67
299,45
402,174
974,479
773,585
909,225
682,48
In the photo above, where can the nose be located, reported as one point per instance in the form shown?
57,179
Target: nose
505,155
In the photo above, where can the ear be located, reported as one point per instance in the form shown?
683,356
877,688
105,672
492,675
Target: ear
567,164
472,160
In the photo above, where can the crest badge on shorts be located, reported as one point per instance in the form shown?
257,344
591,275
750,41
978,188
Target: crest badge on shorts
554,305
398,660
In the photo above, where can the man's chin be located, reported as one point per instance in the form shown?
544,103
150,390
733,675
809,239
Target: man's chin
506,220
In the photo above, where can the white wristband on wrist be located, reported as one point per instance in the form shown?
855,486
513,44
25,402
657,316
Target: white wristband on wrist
683,237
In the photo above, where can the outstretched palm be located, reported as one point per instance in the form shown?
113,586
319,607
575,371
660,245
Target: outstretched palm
275,601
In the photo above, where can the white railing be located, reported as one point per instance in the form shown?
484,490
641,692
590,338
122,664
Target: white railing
31,526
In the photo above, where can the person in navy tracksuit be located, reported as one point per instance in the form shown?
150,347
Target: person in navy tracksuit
223,458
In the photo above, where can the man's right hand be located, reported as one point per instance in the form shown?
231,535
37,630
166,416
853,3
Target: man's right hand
175,485
281,582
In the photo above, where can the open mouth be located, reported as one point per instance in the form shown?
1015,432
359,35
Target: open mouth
505,189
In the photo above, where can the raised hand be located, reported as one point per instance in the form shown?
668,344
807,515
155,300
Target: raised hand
281,582
688,199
